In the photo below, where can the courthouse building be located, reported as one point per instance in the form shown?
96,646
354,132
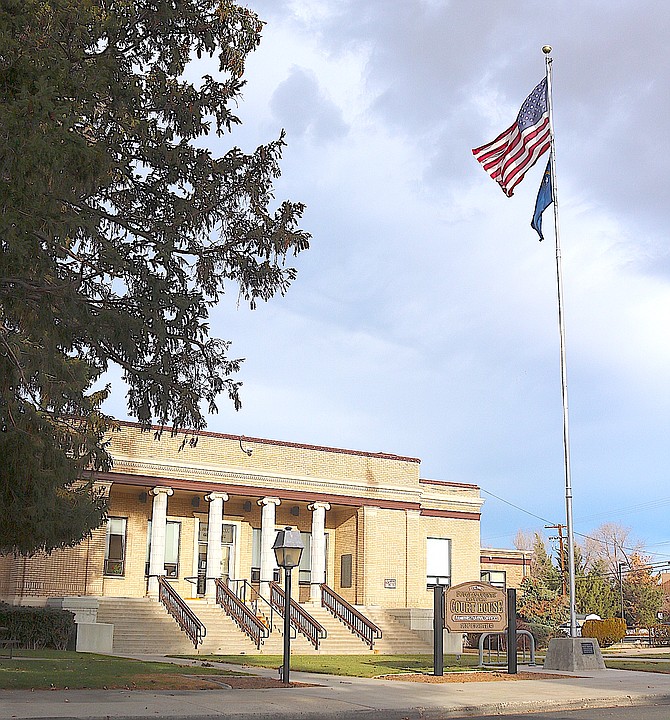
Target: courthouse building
374,530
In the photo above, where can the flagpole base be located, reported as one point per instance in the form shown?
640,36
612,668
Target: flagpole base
574,655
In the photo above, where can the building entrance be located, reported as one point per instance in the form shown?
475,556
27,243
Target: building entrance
227,555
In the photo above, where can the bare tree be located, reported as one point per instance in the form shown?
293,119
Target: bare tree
524,540
612,544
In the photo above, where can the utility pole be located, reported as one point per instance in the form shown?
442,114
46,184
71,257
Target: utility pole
559,527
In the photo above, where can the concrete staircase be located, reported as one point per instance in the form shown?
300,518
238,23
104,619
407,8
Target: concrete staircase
142,626
397,639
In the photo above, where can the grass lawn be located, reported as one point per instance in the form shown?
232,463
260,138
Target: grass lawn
355,665
45,669
639,665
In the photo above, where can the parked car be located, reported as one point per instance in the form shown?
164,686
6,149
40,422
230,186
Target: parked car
581,619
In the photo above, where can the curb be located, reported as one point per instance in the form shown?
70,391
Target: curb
414,713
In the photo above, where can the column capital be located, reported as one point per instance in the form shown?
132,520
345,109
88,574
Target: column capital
217,496
103,487
269,501
319,506
162,490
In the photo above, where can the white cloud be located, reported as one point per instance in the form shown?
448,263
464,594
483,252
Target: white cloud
423,320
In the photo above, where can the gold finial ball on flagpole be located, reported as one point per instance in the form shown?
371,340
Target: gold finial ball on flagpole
546,49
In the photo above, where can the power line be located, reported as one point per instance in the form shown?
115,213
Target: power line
551,522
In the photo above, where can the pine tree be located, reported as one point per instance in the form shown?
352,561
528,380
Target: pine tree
643,594
542,567
119,229
596,592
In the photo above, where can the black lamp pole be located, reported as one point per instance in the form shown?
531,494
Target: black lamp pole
287,626
288,548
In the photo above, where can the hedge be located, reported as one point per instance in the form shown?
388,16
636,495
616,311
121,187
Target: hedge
606,632
38,627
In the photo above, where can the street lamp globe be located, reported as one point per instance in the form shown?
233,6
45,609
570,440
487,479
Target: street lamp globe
288,547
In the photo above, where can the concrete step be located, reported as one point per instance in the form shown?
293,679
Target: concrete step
142,625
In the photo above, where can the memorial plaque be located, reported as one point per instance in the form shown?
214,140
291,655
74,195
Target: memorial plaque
588,649
475,607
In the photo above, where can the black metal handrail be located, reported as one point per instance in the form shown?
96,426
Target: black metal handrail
241,614
187,620
248,594
346,613
301,620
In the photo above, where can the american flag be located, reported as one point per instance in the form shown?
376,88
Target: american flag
514,152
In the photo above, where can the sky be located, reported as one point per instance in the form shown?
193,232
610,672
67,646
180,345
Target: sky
423,321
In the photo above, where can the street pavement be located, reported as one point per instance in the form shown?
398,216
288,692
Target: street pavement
339,698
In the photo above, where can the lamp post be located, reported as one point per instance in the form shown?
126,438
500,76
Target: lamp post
288,548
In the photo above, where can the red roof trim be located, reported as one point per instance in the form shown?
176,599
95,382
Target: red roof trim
280,443
424,481
504,560
456,514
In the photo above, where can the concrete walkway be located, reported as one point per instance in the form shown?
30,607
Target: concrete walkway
340,698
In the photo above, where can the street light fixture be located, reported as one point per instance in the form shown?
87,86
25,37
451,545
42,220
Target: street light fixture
288,547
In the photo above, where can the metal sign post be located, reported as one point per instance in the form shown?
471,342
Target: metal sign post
438,630
511,632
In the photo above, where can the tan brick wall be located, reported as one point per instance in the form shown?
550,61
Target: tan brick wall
464,536
415,558
382,557
345,521
6,565
223,453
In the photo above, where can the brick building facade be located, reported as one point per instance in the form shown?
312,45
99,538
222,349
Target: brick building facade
374,530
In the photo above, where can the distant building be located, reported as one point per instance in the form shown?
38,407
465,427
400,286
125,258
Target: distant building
504,568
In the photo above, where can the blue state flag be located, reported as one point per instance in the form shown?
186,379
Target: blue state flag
545,196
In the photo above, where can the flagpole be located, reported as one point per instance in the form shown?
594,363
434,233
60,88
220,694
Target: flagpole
564,377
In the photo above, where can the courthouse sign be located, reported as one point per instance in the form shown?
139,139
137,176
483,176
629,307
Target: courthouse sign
475,607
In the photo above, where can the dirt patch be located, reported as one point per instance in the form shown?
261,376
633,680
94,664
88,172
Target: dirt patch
203,682
260,683
458,677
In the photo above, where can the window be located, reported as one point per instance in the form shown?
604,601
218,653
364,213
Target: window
172,533
172,537
256,558
115,546
438,561
346,575
497,578
305,568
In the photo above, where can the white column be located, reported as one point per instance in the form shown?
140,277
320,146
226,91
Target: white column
268,531
318,557
158,521
214,529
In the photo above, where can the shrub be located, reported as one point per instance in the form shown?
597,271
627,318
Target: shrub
659,635
606,632
542,633
38,627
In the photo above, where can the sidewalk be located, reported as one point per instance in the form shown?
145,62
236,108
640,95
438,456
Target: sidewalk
341,698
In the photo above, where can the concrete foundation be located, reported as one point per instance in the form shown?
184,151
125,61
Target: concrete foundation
92,636
95,637
84,609
574,655
420,622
